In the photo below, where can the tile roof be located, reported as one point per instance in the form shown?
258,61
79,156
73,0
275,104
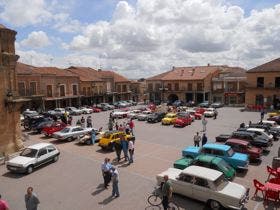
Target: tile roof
271,66
22,68
117,77
53,71
187,73
86,74
233,72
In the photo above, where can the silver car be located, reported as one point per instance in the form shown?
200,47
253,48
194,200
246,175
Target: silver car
70,133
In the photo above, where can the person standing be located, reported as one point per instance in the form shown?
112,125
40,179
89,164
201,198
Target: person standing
118,150
204,139
117,126
3,204
124,144
204,123
262,114
106,172
130,150
115,182
131,126
110,124
83,122
121,128
215,114
166,192
70,120
93,136
196,139
89,122
31,199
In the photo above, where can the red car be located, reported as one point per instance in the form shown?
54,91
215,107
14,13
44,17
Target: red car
241,146
200,110
95,109
57,126
196,115
183,121
152,106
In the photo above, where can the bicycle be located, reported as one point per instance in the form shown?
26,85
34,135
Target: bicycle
155,199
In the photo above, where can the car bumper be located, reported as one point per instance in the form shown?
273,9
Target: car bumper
245,167
16,169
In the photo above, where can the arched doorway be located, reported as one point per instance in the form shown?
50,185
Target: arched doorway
172,98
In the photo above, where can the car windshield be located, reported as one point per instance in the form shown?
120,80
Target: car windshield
65,130
230,152
224,166
220,182
28,152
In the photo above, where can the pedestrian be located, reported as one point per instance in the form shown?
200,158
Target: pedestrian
242,125
110,124
124,144
204,139
196,139
262,114
115,182
93,136
215,114
250,122
166,192
117,126
130,150
131,126
78,123
121,128
204,123
83,122
3,204
118,149
106,172
31,199
70,120
127,129
89,122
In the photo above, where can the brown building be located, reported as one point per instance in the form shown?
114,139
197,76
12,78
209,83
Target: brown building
138,90
182,83
92,88
228,86
263,85
10,103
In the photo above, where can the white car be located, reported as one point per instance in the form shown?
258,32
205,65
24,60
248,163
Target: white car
260,132
70,133
33,156
119,114
133,113
206,185
209,112
86,110
73,110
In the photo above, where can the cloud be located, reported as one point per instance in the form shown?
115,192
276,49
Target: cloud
36,39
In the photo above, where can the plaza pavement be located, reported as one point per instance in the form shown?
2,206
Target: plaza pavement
75,181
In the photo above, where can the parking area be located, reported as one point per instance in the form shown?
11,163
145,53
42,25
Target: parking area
75,181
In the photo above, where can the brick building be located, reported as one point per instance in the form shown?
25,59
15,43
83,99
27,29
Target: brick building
182,83
228,86
138,90
263,85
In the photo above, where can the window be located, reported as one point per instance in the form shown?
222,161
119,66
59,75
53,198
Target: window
206,151
124,88
158,86
169,86
150,87
88,91
33,88
277,82
259,100
42,152
260,82
62,90
217,86
119,88
176,87
218,152
185,178
49,91
201,182
21,89
199,86
190,87
84,91
75,90
50,148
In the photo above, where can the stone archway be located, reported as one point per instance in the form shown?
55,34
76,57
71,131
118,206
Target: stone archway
172,98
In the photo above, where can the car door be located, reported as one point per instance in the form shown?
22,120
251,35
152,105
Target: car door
51,151
183,185
42,157
201,189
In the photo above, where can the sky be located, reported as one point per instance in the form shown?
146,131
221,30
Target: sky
142,38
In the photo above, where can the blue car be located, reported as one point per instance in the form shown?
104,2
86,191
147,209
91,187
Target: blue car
235,159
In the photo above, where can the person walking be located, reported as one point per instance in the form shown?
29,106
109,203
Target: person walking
78,123
89,122
93,136
31,199
70,120
106,172
83,122
166,192
196,139
262,114
117,126
3,204
130,150
131,126
215,114
110,124
204,123
115,182
118,150
204,139
124,144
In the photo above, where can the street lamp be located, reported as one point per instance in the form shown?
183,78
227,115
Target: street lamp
162,89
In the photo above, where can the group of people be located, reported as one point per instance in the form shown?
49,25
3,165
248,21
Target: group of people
30,198
197,139
125,146
85,122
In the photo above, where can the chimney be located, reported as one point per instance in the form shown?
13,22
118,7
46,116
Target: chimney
173,68
193,70
99,69
208,64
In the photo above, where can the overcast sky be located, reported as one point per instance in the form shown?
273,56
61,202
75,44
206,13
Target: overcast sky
141,38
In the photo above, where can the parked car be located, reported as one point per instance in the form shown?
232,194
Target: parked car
236,160
275,119
56,126
204,104
275,113
222,137
73,110
206,185
195,114
95,109
70,133
207,161
86,110
30,120
86,139
144,115
133,103
38,127
182,120
245,147
209,112
133,113
109,137
178,103
32,157
200,110
152,106
29,112
217,105
169,119
119,114
155,117
260,132
108,106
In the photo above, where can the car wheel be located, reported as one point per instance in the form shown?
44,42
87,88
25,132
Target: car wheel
69,139
55,158
88,142
29,169
215,205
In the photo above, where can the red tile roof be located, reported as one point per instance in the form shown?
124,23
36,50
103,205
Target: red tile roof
86,74
271,66
54,71
22,68
117,77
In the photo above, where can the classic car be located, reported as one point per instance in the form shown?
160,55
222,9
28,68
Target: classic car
32,157
196,115
144,115
86,110
86,139
182,120
204,104
133,113
261,133
119,114
133,103
155,117
169,119
207,161
235,159
206,185
38,127
30,120
200,110
151,106
272,114
275,119
109,137
70,133
222,137
73,111
217,105
178,103
56,126
95,109
108,106
245,147
30,112
209,112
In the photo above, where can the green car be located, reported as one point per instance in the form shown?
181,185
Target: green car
207,161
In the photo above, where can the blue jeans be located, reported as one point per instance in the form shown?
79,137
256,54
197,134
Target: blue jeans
125,152
131,156
115,190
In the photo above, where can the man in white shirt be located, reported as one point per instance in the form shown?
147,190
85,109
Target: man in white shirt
115,181
131,151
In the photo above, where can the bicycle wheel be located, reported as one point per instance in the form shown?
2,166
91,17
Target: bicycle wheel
154,200
173,206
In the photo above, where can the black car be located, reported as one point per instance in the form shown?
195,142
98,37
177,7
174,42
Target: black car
204,104
223,137
39,125
275,119
155,117
254,139
29,121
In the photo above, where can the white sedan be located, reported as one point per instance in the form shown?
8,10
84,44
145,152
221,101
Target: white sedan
133,113
209,112
206,185
119,114
86,110
70,133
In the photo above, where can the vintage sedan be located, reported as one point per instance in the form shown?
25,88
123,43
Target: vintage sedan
144,115
272,114
206,185
275,119
207,161
155,117
70,133
133,114
235,159
245,147
73,110
96,110
119,114
182,120
32,157
86,110
169,119
56,126
209,112
109,137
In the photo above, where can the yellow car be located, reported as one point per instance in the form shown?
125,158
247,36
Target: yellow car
169,119
109,137
272,114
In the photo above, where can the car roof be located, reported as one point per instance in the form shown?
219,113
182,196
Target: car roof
205,158
237,141
216,146
202,172
244,133
255,129
39,145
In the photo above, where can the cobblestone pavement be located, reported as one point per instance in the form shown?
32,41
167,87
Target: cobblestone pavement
75,181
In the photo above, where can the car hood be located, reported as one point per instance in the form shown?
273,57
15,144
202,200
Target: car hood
20,160
240,156
171,172
234,190
255,150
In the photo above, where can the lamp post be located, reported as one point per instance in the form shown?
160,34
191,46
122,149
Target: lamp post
162,89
